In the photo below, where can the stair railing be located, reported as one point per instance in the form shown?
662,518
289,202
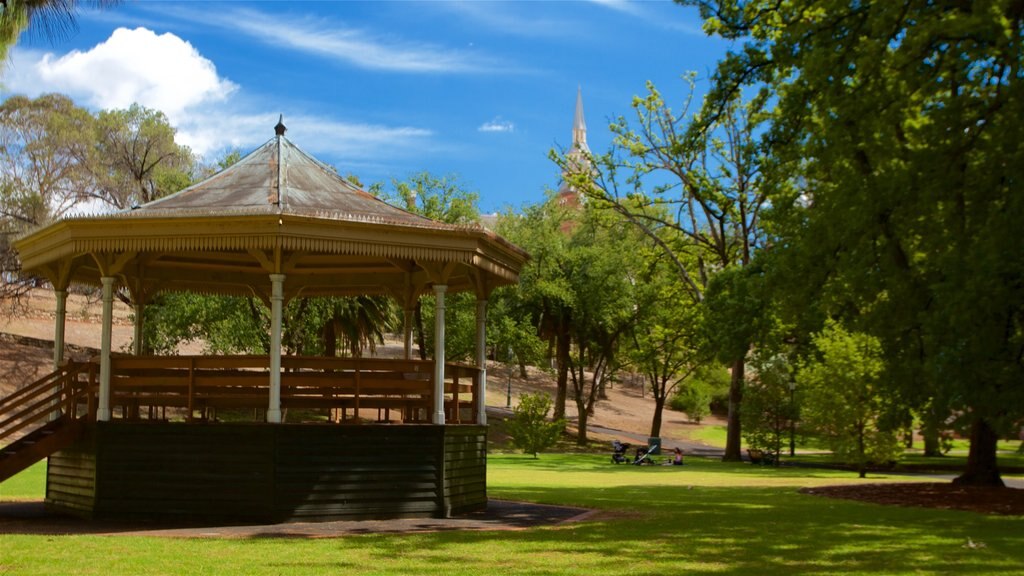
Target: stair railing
71,387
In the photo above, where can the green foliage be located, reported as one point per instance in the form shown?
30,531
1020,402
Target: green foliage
441,198
45,147
769,410
529,427
227,324
692,185
136,158
460,325
507,331
667,344
235,325
52,19
706,391
843,398
694,400
896,155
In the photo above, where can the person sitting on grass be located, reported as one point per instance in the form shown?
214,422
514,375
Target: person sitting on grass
677,458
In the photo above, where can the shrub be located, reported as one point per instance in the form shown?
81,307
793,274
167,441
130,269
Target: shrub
529,427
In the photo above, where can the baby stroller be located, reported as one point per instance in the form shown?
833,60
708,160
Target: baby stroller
619,452
643,455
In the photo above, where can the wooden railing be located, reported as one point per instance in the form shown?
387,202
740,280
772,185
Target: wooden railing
68,392
199,387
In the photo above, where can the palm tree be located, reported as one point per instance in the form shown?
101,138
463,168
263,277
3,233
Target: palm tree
51,19
358,322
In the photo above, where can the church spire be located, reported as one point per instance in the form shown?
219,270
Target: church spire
577,157
579,125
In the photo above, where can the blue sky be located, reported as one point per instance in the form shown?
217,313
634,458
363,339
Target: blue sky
381,90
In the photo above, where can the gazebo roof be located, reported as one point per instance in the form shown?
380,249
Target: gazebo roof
276,211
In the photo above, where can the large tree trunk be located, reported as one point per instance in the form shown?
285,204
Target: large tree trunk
930,431
982,469
932,446
583,417
562,351
733,438
659,404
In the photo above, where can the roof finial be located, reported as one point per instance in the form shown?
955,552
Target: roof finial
280,129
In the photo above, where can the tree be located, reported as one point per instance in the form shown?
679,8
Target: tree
444,199
843,397
137,159
600,282
53,19
43,146
897,149
544,293
698,176
769,410
529,427
359,322
667,338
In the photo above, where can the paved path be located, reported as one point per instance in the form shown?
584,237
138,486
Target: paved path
34,518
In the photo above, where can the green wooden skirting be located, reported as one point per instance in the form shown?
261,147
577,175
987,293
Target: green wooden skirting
262,472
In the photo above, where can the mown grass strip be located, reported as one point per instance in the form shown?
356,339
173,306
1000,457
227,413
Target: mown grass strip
706,517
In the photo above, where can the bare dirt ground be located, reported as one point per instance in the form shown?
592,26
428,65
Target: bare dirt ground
26,354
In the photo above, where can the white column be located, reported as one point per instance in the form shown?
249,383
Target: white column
60,316
137,343
58,329
276,305
439,291
481,360
103,409
407,318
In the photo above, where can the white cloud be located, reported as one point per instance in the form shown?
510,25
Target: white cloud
512,18
336,41
319,136
162,72
166,73
656,14
625,6
497,125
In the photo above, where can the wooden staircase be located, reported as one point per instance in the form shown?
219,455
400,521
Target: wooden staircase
45,416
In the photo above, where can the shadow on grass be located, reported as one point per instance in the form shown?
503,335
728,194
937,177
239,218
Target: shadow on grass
659,530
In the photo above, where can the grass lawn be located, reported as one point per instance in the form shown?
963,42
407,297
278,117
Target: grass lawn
706,517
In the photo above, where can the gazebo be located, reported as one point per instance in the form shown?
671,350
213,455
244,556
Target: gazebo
276,225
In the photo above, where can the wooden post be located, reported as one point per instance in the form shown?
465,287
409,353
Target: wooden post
103,410
480,382
439,290
276,311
